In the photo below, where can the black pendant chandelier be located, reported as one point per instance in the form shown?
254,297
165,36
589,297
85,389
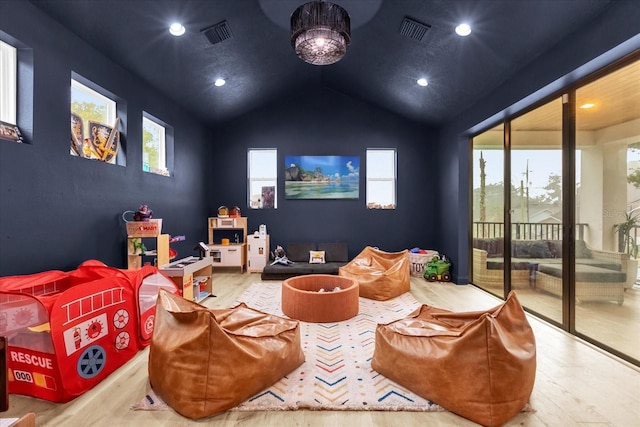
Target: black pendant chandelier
320,32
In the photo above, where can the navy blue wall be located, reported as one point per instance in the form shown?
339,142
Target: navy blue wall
324,122
609,37
57,210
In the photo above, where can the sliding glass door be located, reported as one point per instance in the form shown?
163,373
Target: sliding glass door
607,305
556,209
488,210
536,209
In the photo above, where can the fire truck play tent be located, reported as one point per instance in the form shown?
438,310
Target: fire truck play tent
67,331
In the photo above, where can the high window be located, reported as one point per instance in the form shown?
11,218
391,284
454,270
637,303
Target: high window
262,178
8,83
94,124
381,178
154,146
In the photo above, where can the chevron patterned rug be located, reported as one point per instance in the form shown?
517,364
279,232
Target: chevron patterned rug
337,370
336,374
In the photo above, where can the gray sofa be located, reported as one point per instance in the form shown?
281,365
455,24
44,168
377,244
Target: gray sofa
600,275
336,255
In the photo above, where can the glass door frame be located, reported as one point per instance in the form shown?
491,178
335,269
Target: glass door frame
569,198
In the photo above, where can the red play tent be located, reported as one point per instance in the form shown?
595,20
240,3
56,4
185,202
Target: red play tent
67,331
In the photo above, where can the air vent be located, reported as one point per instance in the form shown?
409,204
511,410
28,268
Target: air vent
217,32
413,29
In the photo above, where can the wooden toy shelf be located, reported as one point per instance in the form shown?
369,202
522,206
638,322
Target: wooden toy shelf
192,275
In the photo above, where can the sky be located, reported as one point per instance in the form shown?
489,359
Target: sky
331,165
542,163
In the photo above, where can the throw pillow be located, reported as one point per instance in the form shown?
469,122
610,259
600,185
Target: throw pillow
316,257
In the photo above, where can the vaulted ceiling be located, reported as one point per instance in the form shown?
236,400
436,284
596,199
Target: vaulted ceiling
381,65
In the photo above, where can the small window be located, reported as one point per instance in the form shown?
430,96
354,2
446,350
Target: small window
8,83
93,123
262,178
381,179
154,146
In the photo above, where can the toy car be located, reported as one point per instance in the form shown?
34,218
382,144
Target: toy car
437,270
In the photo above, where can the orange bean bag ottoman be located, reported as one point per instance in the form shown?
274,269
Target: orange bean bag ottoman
479,365
381,275
302,300
203,361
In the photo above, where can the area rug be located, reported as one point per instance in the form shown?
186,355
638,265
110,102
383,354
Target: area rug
336,374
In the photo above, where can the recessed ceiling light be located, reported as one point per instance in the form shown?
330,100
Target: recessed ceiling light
463,30
423,82
177,29
219,82
588,105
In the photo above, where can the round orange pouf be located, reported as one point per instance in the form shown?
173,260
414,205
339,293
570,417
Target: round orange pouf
302,300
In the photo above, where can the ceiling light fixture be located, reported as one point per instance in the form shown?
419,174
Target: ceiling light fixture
423,82
177,29
588,105
463,30
219,82
320,32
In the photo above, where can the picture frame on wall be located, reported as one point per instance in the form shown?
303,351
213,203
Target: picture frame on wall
268,197
10,132
322,177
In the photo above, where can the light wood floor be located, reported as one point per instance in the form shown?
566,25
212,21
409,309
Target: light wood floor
576,383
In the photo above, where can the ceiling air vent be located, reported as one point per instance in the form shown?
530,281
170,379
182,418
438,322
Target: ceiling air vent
217,32
413,29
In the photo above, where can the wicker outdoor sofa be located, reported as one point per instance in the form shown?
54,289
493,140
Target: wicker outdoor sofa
600,275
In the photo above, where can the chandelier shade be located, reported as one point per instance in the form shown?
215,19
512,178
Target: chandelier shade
320,32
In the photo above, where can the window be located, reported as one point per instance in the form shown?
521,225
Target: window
154,147
8,83
93,117
262,178
381,179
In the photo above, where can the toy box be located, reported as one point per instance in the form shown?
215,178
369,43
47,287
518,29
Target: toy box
418,258
67,331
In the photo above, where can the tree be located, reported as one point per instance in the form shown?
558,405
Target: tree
634,177
89,111
150,147
553,189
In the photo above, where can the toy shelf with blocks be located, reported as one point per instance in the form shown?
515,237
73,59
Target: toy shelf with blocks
228,242
192,275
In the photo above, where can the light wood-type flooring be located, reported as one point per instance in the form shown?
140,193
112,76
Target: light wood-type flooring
576,383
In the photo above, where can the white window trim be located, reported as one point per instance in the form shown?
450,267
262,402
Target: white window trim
8,83
370,178
150,121
254,204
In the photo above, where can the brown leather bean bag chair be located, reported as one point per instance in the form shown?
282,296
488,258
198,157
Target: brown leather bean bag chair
479,365
382,275
203,361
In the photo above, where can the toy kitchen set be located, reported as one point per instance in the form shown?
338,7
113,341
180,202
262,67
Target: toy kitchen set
230,245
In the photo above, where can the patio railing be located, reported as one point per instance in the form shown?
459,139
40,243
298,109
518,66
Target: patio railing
525,230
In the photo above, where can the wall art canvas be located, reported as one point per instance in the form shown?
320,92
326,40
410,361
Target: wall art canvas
322,177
